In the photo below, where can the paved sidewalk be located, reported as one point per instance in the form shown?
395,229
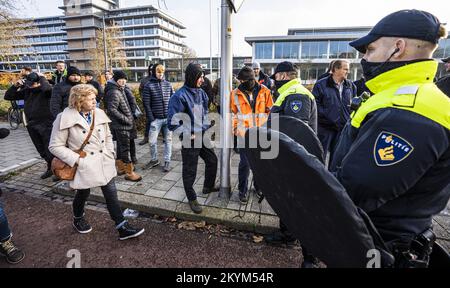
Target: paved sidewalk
16,151
163,194
158,193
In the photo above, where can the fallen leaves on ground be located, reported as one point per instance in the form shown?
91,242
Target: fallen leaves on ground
258,239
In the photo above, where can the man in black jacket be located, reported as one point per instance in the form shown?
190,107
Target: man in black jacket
261,77
37,93
89,76
122,123
60,74
155,96
444,82
61,91
143,83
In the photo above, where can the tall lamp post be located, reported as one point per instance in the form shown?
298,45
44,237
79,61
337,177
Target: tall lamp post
228,7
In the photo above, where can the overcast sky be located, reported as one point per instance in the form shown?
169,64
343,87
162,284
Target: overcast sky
267,17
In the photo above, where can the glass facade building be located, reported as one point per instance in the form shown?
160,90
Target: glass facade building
313,49
147,34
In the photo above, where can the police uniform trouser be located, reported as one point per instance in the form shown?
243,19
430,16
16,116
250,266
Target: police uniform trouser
123,145
190,161
40,136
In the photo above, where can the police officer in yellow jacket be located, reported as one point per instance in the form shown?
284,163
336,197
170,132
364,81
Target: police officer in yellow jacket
394,156
294,99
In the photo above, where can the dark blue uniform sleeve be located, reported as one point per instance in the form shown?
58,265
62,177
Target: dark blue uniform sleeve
386,158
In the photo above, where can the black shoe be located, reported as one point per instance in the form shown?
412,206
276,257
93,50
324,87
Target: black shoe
47,174
195,207
152,164
81,225
210,190
279,238
134,160
243,198
128,232
166,167
55,178
13,254
144,141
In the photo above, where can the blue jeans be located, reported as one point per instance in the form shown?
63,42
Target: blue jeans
5,232
244,172
155,128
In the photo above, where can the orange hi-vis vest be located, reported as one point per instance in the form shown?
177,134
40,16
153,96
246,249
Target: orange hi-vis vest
243,116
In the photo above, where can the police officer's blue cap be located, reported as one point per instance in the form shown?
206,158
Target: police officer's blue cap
414,24
285,66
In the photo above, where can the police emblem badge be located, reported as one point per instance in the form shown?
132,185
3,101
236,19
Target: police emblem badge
296,106
391,149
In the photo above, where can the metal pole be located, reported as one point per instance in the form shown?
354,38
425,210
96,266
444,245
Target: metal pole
225,90
105,49
210,42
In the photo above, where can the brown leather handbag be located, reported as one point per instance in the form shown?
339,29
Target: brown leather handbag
62,170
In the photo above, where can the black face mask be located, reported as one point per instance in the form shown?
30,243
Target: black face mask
279,84
247,86
373,69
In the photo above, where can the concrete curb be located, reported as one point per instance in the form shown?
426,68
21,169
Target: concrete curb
248,221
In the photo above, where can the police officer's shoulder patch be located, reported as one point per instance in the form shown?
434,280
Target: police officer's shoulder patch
390,149
296,106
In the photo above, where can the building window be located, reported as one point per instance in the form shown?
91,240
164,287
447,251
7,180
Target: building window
263,50
443,50
128,32
128,22
138,32
341,49
138,21
286,50
314,49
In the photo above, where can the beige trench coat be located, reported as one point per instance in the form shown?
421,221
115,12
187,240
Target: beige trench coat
70,130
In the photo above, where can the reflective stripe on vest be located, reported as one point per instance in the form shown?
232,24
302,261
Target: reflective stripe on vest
423,99
291,88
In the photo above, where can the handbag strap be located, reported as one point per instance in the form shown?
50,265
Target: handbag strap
90,132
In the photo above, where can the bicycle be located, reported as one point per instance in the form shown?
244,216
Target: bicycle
15,114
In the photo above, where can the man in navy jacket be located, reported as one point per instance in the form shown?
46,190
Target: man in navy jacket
189,105
333,97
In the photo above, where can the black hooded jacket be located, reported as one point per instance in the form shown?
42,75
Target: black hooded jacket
118,107
60,96
37,101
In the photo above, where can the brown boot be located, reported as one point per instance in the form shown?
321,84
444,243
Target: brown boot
120,166
130,174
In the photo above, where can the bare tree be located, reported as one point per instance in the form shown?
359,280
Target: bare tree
114,46
13,30
188,52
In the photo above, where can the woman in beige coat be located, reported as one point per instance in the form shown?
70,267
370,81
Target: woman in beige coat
97,168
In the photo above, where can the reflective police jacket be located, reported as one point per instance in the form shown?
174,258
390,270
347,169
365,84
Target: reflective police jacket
247,115
394,156
298,102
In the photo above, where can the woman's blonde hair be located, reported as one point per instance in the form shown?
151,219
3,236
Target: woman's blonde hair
79,93
160,69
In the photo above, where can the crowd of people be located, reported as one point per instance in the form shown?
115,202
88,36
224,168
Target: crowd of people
62,113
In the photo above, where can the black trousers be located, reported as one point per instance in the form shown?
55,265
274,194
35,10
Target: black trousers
40,136
112,202
328,138
132,149
190,161
123,138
